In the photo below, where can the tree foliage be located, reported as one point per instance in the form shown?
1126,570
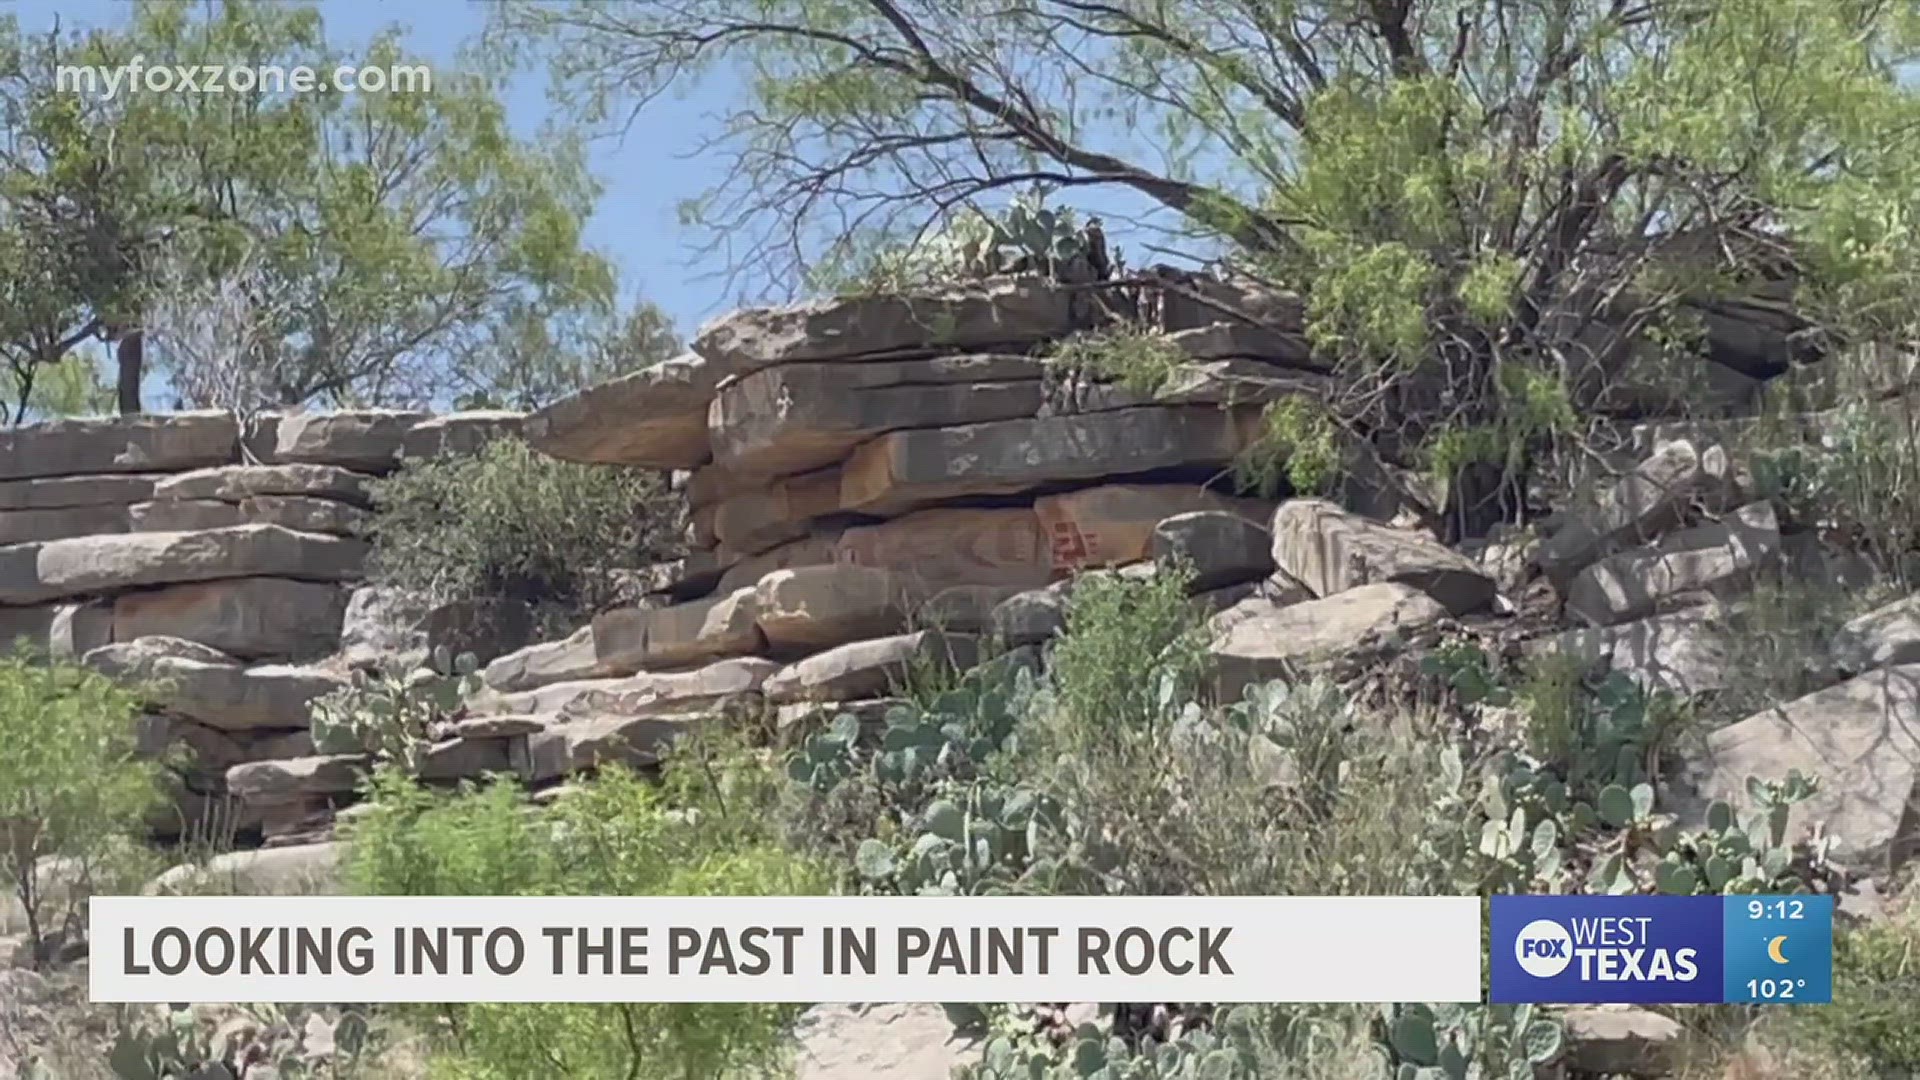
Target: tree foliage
373,239
1458,187
71,787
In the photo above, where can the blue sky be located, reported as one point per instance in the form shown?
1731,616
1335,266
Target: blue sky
645,173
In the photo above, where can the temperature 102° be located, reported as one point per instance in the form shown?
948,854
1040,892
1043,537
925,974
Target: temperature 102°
1775,989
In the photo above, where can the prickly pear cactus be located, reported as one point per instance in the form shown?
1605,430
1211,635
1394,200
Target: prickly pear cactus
391,715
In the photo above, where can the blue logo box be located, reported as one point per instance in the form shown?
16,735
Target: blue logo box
1662,949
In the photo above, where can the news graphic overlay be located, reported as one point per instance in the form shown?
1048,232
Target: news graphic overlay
784,949
1779,949
1662,949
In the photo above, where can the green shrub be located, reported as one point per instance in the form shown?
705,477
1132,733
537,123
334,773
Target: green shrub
512,523
706,830
72,790
1138,359
1876,995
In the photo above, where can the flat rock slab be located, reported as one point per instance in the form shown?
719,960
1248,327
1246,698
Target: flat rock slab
904,469
1861,739
626,640
807,551
1010,311
866,669
1709,558
30,573
62,523
1220,547
817,607
569,659
301,513
758,519
232,483
716,686
460,433
251,617
796,417
655,417
294,780
955,546
1258,641
1331,550
53,493
365,440
200,683
60,631
1114,524
121,444
582,745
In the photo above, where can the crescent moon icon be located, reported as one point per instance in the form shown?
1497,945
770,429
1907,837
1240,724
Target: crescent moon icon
1773,949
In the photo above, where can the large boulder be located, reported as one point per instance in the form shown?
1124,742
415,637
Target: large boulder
1221,548
294,870
1685,652
903,469
655,417
63,492
233,483
1331,551
294,780
1029,618
1258,640
1860,739
1889,634
366,440
796,417
382,624
206,685
247,617
1013,311
30,573
120,444
816,607
1708,558
867,669
1651,499
899,1042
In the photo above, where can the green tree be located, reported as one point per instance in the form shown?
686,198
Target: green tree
1486,203
71,787
528,358
366,240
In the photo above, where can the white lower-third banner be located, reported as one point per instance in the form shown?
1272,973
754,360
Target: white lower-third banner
784,949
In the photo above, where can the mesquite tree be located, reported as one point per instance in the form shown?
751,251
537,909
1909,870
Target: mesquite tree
1492,208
